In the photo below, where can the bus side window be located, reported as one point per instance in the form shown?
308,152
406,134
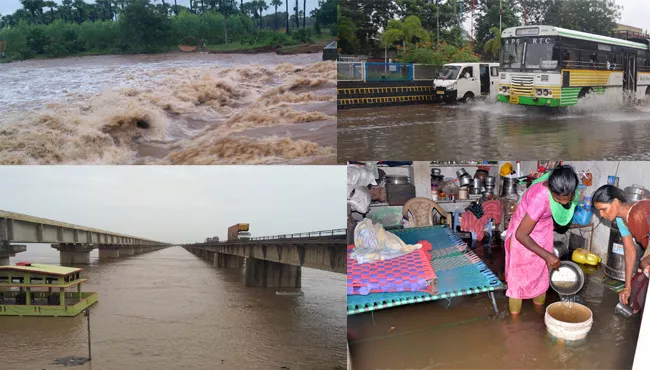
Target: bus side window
603,63
495,71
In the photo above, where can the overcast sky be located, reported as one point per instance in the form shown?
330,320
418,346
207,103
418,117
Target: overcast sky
635,12
10,6
177,203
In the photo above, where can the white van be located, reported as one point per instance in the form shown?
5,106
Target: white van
467,81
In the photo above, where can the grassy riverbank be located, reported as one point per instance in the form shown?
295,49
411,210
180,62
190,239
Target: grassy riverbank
142,29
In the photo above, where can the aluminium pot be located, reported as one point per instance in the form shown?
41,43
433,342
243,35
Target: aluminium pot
460,173
490,181
636,193
435,172
477,183
465,180
397,180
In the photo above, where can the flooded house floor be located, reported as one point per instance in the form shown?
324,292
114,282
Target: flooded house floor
465,333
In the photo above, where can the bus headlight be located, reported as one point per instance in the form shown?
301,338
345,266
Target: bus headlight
545,92
550,93
452,87
539,92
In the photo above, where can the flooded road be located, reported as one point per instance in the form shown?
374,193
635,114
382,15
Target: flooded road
465,334
168,109
170,310
597,129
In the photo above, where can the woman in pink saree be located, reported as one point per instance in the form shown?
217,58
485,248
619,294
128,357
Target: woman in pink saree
529,239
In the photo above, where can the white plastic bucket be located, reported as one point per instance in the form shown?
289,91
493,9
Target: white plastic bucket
568,320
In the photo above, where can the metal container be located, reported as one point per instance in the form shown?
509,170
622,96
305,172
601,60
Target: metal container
490,181
399,194
481,174
397,180
465,180
568,279
463,194
636,193
460,173
435,172
560,249
474,191
623,310
477,183
615,267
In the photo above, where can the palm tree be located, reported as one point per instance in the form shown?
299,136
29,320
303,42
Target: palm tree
67,5
287,5
276,3
261,4
79,5
304,12
30,6
407,31
175,7
202,7
40,4
51,5
297,17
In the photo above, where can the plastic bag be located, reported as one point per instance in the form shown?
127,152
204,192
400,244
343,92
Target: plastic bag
360,176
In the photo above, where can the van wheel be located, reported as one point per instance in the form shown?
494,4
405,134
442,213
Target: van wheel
647,91
584,92
468,98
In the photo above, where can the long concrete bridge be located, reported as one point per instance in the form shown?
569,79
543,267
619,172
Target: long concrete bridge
73,242
276,261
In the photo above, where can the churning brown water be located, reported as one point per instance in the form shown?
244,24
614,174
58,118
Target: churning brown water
171,310
169,109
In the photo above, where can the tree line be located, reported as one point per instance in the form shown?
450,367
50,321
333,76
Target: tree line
362,22
133,26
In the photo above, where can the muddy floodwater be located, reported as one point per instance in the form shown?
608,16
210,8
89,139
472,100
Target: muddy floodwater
464,333
169,109
597,129
169,309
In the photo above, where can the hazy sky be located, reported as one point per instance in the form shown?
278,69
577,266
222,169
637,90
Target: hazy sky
177,203
10,6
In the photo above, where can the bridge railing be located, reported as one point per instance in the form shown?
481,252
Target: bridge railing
313,234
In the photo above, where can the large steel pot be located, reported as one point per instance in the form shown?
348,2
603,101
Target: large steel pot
490,181
636,193
435,172
397,180
460,173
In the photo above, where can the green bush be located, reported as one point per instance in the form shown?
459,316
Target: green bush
302,35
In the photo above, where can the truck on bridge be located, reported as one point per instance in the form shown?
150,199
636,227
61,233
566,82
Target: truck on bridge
239,232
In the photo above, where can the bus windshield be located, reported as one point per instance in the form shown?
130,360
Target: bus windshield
512,53
540,55
449,73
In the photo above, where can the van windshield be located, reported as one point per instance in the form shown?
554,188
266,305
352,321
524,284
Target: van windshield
449,73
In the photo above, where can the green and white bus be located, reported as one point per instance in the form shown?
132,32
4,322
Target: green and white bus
554,67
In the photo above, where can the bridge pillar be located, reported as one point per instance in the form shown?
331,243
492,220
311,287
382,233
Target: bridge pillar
72,254
109,251
7,250
126,250
261,273
223,260
138,249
